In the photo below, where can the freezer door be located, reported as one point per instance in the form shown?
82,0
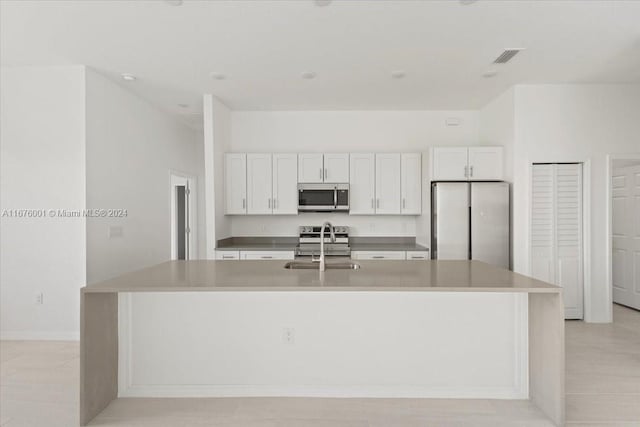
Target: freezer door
450,233
490,223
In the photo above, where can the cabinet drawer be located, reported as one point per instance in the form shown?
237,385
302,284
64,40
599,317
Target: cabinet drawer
417,255
266,255
222,255
375,255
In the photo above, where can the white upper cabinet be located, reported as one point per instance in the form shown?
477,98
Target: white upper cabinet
485,163
285,188
410,183
235,183
336,168
362,184
387,184
467,163
330,168
259,199
310,168
449,164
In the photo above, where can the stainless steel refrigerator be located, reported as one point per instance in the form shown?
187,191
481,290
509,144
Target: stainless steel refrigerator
470,220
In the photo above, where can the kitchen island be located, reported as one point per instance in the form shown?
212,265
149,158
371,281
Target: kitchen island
388,329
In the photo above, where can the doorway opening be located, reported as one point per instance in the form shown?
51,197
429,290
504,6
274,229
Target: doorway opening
182,191
624,229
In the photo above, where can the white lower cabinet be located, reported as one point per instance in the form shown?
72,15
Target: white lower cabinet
266,255
417,255
230,255
378,255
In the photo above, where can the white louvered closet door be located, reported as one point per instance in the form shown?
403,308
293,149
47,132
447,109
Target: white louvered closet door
556,231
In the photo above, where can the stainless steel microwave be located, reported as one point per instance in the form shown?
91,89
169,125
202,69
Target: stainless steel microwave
323,197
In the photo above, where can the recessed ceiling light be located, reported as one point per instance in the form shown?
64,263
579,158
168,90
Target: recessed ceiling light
322,3
174,2
183,105
398,74
218,76
128,77
489,73
308,75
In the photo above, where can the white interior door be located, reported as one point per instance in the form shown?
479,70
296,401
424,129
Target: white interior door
362,185
336,168
388,184
285,184
259,186
310,168
556,231
183,217
625,225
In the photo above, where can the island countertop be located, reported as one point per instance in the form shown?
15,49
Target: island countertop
209,275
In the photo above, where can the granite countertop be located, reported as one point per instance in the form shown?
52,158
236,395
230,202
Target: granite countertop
290,244
208,275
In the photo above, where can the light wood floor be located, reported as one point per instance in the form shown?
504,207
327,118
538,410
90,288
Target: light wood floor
39,388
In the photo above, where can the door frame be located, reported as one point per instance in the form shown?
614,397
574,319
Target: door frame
609,215
180,178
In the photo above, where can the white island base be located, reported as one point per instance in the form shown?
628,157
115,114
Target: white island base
395,329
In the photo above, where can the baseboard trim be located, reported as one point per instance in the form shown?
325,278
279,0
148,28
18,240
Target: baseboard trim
40,336
338,391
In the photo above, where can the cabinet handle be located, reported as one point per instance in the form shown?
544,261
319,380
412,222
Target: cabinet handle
244,203
275,203
227,256
378,203
471,171
417,257
373,205
326,173
266,257
466,171
404,203
378,257
320,173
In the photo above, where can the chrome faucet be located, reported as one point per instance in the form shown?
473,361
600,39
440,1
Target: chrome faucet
333,239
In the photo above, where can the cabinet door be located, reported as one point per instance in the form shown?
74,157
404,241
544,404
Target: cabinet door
235,183
449,164
387,184
310,168
259,197
378,255
285,188
266,255
485,163
362,184
227,255
411,184
336,168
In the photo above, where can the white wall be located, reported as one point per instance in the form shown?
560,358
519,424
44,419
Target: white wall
131,149
42,167
574,123
346,131
217,136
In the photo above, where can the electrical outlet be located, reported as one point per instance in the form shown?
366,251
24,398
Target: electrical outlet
288,335
39,298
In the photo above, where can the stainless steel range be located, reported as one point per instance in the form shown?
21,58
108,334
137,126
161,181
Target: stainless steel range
309,242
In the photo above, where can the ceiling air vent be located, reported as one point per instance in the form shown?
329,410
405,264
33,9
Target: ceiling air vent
506,56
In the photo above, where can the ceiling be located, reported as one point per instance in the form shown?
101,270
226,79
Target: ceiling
263,48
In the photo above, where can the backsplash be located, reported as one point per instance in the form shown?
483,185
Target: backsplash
370,225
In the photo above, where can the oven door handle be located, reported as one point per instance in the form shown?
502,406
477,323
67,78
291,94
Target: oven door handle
335,197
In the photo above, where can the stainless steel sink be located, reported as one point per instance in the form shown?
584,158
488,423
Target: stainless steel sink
300,265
